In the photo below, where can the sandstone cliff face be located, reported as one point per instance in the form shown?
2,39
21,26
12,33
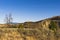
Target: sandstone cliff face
48,29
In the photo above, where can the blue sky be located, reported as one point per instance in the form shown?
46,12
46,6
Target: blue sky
29,10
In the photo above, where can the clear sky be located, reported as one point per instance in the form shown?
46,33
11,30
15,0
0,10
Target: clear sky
29,10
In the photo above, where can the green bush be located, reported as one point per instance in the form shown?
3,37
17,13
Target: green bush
20,26
53,26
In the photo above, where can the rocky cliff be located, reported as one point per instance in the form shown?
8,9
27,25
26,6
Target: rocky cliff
47,29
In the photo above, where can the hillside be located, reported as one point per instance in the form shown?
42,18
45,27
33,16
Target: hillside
47,29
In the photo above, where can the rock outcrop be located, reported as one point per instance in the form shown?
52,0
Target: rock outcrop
47,29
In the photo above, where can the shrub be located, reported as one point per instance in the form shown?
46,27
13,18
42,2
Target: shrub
53,26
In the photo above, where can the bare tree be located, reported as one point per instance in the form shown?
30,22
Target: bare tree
8,20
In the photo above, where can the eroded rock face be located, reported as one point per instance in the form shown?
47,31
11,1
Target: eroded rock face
32,30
